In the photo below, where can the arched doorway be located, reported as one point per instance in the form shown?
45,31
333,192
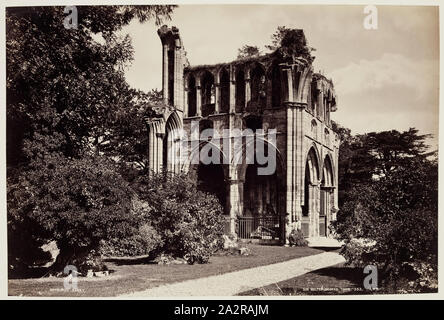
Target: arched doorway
310,212
326,197
261,193
210,179
262,199
209,175
171,144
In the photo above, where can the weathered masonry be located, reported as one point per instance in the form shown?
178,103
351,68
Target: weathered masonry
271,91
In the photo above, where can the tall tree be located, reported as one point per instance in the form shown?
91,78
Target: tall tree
66,97
291,43
64,87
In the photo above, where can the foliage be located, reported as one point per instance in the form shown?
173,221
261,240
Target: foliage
127,137
297,238
291,43
64,86
248,51
75,202
68,104
144,242
367,156
189,222
395,219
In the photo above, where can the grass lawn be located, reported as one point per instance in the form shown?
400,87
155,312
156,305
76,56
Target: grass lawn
129,274
337,279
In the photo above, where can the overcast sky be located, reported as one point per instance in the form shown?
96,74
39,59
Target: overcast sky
385,79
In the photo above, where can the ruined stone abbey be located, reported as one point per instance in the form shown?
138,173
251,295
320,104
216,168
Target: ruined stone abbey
270,91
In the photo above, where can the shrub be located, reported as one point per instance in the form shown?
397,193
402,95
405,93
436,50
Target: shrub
296,238
76,202
144,242
189,222
397,214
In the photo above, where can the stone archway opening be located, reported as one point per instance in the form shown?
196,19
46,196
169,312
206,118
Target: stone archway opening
211,179
261,193
262,203
326,189
310,211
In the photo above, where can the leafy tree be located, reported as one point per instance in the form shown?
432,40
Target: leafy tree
66,96
291,43
127,139
391,149
390,218
63,85
248,51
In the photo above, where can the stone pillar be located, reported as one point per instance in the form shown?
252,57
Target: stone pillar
234,201
178,75
217,98
185,102
165,74
151,137
315,201
198,99
232,90
159,152
247,88
289,171
291,154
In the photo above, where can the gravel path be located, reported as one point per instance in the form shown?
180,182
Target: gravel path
232,283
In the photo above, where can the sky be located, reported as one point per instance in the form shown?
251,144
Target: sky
384,79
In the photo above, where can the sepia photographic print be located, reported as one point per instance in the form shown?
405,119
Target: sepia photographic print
221,150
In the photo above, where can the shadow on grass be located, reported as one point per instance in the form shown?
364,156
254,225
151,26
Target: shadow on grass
130,260
337,279
30,273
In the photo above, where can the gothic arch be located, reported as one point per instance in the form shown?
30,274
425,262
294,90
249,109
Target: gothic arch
328,165
312,159
207,93
212,177
171,143
194,156
224,85
260,194
240,90
239,159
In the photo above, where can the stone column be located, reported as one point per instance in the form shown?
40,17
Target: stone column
289,171
151,137
234,201
217,98
165,74
232,91
159,153
185,102
198,99
317,204
291,154
247,88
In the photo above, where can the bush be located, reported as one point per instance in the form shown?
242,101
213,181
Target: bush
189,222
144,242
396,220
296,238
76,202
